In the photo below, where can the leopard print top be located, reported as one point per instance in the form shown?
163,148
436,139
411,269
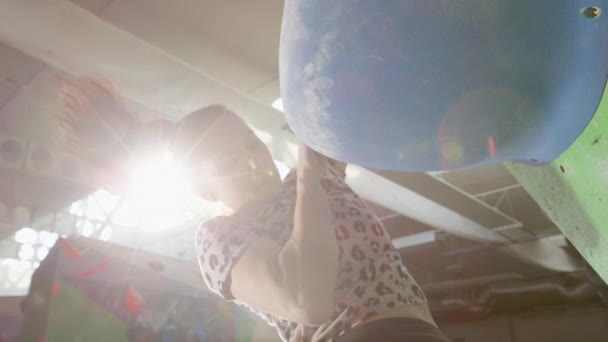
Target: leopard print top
372,277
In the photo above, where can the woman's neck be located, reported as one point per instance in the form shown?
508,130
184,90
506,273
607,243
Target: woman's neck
269,192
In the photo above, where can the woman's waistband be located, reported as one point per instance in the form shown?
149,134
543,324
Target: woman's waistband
395,329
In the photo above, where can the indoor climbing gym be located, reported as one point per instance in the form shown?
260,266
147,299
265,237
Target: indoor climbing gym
303,171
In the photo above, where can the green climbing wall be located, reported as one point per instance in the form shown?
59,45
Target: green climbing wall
573,190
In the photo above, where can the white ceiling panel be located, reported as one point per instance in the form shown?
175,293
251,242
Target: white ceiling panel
228,41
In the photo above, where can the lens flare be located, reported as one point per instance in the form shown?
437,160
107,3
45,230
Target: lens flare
159,193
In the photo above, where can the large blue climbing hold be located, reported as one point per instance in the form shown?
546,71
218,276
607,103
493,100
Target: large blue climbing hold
422,85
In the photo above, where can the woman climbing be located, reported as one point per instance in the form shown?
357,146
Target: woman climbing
306,253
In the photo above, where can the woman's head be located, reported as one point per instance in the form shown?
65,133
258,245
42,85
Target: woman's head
225,159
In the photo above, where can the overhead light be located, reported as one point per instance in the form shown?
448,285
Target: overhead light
26,235
42,252
47,239
157,198
278,104
9,262
159,193
106,234
26,252
87,228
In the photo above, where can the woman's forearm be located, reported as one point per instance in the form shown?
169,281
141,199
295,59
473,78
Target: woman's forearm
309,260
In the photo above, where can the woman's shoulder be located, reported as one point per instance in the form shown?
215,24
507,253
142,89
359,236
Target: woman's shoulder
337,168
219,227
217,220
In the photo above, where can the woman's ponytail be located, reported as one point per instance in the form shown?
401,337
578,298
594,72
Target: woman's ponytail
94,122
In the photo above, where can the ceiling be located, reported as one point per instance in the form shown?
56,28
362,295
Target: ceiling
170,57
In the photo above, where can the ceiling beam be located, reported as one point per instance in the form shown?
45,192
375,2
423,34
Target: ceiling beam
391,195
414,239
547,253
